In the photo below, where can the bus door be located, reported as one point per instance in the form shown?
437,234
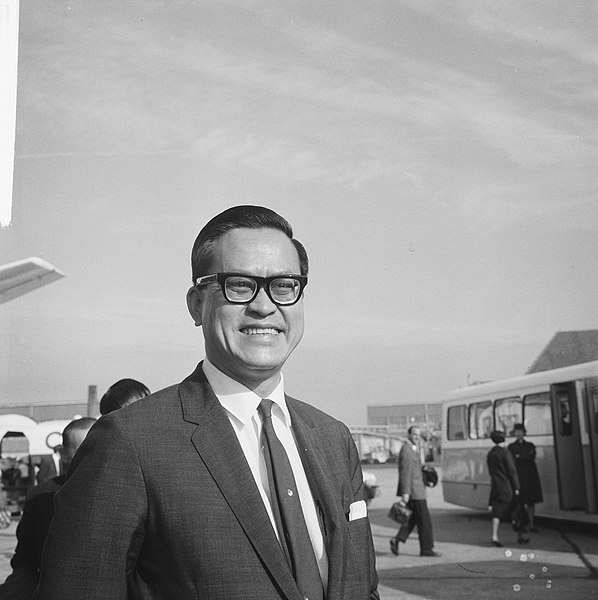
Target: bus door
567,446
591,407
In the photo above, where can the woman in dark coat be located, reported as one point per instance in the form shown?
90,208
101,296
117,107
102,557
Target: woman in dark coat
504,484
524,453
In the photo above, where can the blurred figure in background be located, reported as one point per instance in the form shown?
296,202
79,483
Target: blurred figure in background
50,465
122,393
412,492
5,514
504,485
370,485
37,514
524,453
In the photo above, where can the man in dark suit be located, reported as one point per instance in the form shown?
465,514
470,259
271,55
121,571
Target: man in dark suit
177,495
49,466
412,491
35,521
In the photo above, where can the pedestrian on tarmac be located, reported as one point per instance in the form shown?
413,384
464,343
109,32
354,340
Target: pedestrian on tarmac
504,485
524,453
221,487
412,492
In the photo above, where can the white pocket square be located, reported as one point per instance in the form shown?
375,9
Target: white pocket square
358,510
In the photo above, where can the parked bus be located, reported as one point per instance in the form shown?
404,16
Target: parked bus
559,409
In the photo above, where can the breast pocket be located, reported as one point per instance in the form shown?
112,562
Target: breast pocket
359,532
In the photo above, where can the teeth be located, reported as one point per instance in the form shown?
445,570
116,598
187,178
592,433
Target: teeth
256,331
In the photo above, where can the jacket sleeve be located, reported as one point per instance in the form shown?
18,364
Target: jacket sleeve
405,472
98,525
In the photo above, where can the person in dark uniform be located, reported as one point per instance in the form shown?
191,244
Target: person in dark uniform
504,485
524,453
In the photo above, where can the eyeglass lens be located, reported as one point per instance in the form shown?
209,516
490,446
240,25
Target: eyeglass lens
282,290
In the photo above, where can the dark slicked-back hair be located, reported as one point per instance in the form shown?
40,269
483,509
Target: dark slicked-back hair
249,217
122,393
82,424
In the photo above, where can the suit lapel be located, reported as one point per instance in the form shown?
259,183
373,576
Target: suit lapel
219,449
317,462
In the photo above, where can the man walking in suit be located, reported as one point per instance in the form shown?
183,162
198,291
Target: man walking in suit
221,487
37,515
412,491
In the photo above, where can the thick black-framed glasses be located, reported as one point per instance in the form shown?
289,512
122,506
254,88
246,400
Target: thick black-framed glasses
239,288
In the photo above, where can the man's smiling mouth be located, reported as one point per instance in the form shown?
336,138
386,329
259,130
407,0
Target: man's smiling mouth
260,331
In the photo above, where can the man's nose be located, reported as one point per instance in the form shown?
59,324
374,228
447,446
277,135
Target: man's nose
262,304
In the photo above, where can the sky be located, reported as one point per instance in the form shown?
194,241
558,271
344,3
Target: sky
437,159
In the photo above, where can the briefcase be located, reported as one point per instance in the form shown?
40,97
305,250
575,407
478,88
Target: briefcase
400,513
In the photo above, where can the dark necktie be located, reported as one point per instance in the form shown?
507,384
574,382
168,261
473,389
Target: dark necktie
287,510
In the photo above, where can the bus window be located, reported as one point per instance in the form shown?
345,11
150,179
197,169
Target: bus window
457,422
507,412
564,412
537,415
480,420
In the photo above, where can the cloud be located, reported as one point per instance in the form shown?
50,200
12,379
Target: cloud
278,156
300,100
326,329
501,208
546,26
542,25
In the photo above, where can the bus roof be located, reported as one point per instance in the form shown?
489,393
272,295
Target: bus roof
571,373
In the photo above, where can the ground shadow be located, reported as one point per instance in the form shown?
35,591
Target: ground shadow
485,580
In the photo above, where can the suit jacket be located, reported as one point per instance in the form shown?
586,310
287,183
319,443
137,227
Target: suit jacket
411,480
160,503
31,535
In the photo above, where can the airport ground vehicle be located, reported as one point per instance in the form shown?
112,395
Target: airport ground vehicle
23,442
559,409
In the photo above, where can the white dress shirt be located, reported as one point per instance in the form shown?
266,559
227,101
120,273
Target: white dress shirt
241,405
56,459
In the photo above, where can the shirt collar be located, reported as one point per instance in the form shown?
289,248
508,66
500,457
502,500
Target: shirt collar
238,400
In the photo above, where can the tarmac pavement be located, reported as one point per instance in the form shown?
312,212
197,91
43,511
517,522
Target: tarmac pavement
559,562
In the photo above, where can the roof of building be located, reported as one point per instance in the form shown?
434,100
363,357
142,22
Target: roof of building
567,348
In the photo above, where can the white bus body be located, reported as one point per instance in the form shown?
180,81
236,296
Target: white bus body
559,409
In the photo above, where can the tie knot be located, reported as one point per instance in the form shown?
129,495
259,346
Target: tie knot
265,408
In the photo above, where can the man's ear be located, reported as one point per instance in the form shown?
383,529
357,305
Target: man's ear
194,304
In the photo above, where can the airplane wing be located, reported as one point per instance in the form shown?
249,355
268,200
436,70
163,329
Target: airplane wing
23,276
